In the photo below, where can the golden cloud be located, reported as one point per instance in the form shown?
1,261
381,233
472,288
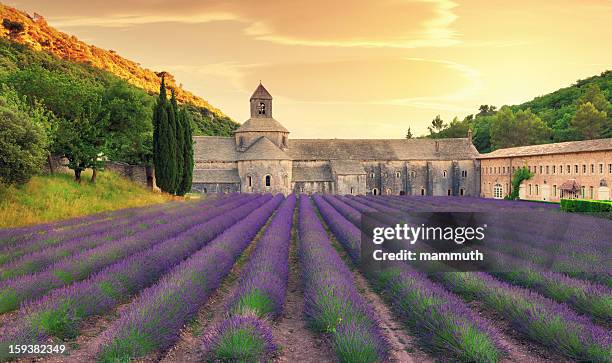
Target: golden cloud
363,23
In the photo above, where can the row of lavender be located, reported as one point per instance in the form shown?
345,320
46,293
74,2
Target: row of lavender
32,257
533,315
153,320
584,297
445,324
79,266
60,313
259,297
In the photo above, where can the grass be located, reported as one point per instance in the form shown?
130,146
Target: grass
47,198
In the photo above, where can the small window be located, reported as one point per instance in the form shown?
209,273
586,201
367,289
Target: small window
249,181
375,191
530,191
541,169
583,192
205,190
301,189
554,169
422,191
372,175
389,191
413,174
537,189
584,168
464,174
547,170
591,193
610,168
352,192
554,190
398,174
569,169
444,173
268,180
600,168
241,142
227,189
592,168
462,192
262,108
575,169
448,192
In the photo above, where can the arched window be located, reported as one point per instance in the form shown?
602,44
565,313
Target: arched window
372,175
227,189
388,191
352,192
498,192
268,180
286,180
413,174
375,191
462,192
448,192
422,191
402,192
241,141
398,174
249,181
444,173
262,108
204,190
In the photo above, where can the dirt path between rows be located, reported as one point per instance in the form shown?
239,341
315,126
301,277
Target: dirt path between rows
291,333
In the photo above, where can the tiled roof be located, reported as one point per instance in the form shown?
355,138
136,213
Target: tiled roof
224,149
571,185
261,124
261,93
263,149
216,176
214,148
347,167
556,148
312,173
394,149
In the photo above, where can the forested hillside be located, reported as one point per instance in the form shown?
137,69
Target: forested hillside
579,112
34,32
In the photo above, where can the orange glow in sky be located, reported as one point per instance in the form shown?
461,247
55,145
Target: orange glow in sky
352,69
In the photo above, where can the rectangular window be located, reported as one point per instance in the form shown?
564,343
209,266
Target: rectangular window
600,168
547,169
529,189
591,194
575,169
554,169
541,169
569,169
592,168
610,168
537,190
554,190
584,168
583,192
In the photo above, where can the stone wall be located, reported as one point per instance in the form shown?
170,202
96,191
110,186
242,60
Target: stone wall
550,172
310,187
215,187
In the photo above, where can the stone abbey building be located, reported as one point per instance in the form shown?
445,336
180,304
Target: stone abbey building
261,157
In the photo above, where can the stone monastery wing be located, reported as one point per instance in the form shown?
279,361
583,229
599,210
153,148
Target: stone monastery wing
312,173
216,176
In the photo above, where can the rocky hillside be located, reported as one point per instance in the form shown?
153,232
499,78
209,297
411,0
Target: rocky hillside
35,32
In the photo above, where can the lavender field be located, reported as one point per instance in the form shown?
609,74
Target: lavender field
249,278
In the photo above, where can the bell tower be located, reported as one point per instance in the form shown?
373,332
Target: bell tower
261,103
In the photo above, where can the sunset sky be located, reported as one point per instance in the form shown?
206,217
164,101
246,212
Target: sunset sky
351,69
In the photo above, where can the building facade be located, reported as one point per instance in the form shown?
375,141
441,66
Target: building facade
261,157
576,169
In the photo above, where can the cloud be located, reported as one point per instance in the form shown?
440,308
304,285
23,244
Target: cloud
343,23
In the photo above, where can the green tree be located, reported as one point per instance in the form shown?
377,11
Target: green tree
165,142
180,142
187,175
517,178
23,140
595,96
437,125
409,134
509,129
589,123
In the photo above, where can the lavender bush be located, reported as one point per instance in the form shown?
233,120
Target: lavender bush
333,305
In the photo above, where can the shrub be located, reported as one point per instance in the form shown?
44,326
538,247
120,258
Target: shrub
586,206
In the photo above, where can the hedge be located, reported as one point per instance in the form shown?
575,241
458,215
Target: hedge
588,206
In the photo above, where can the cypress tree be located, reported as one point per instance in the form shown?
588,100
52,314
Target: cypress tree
187,174
168,149
159,114
180,137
